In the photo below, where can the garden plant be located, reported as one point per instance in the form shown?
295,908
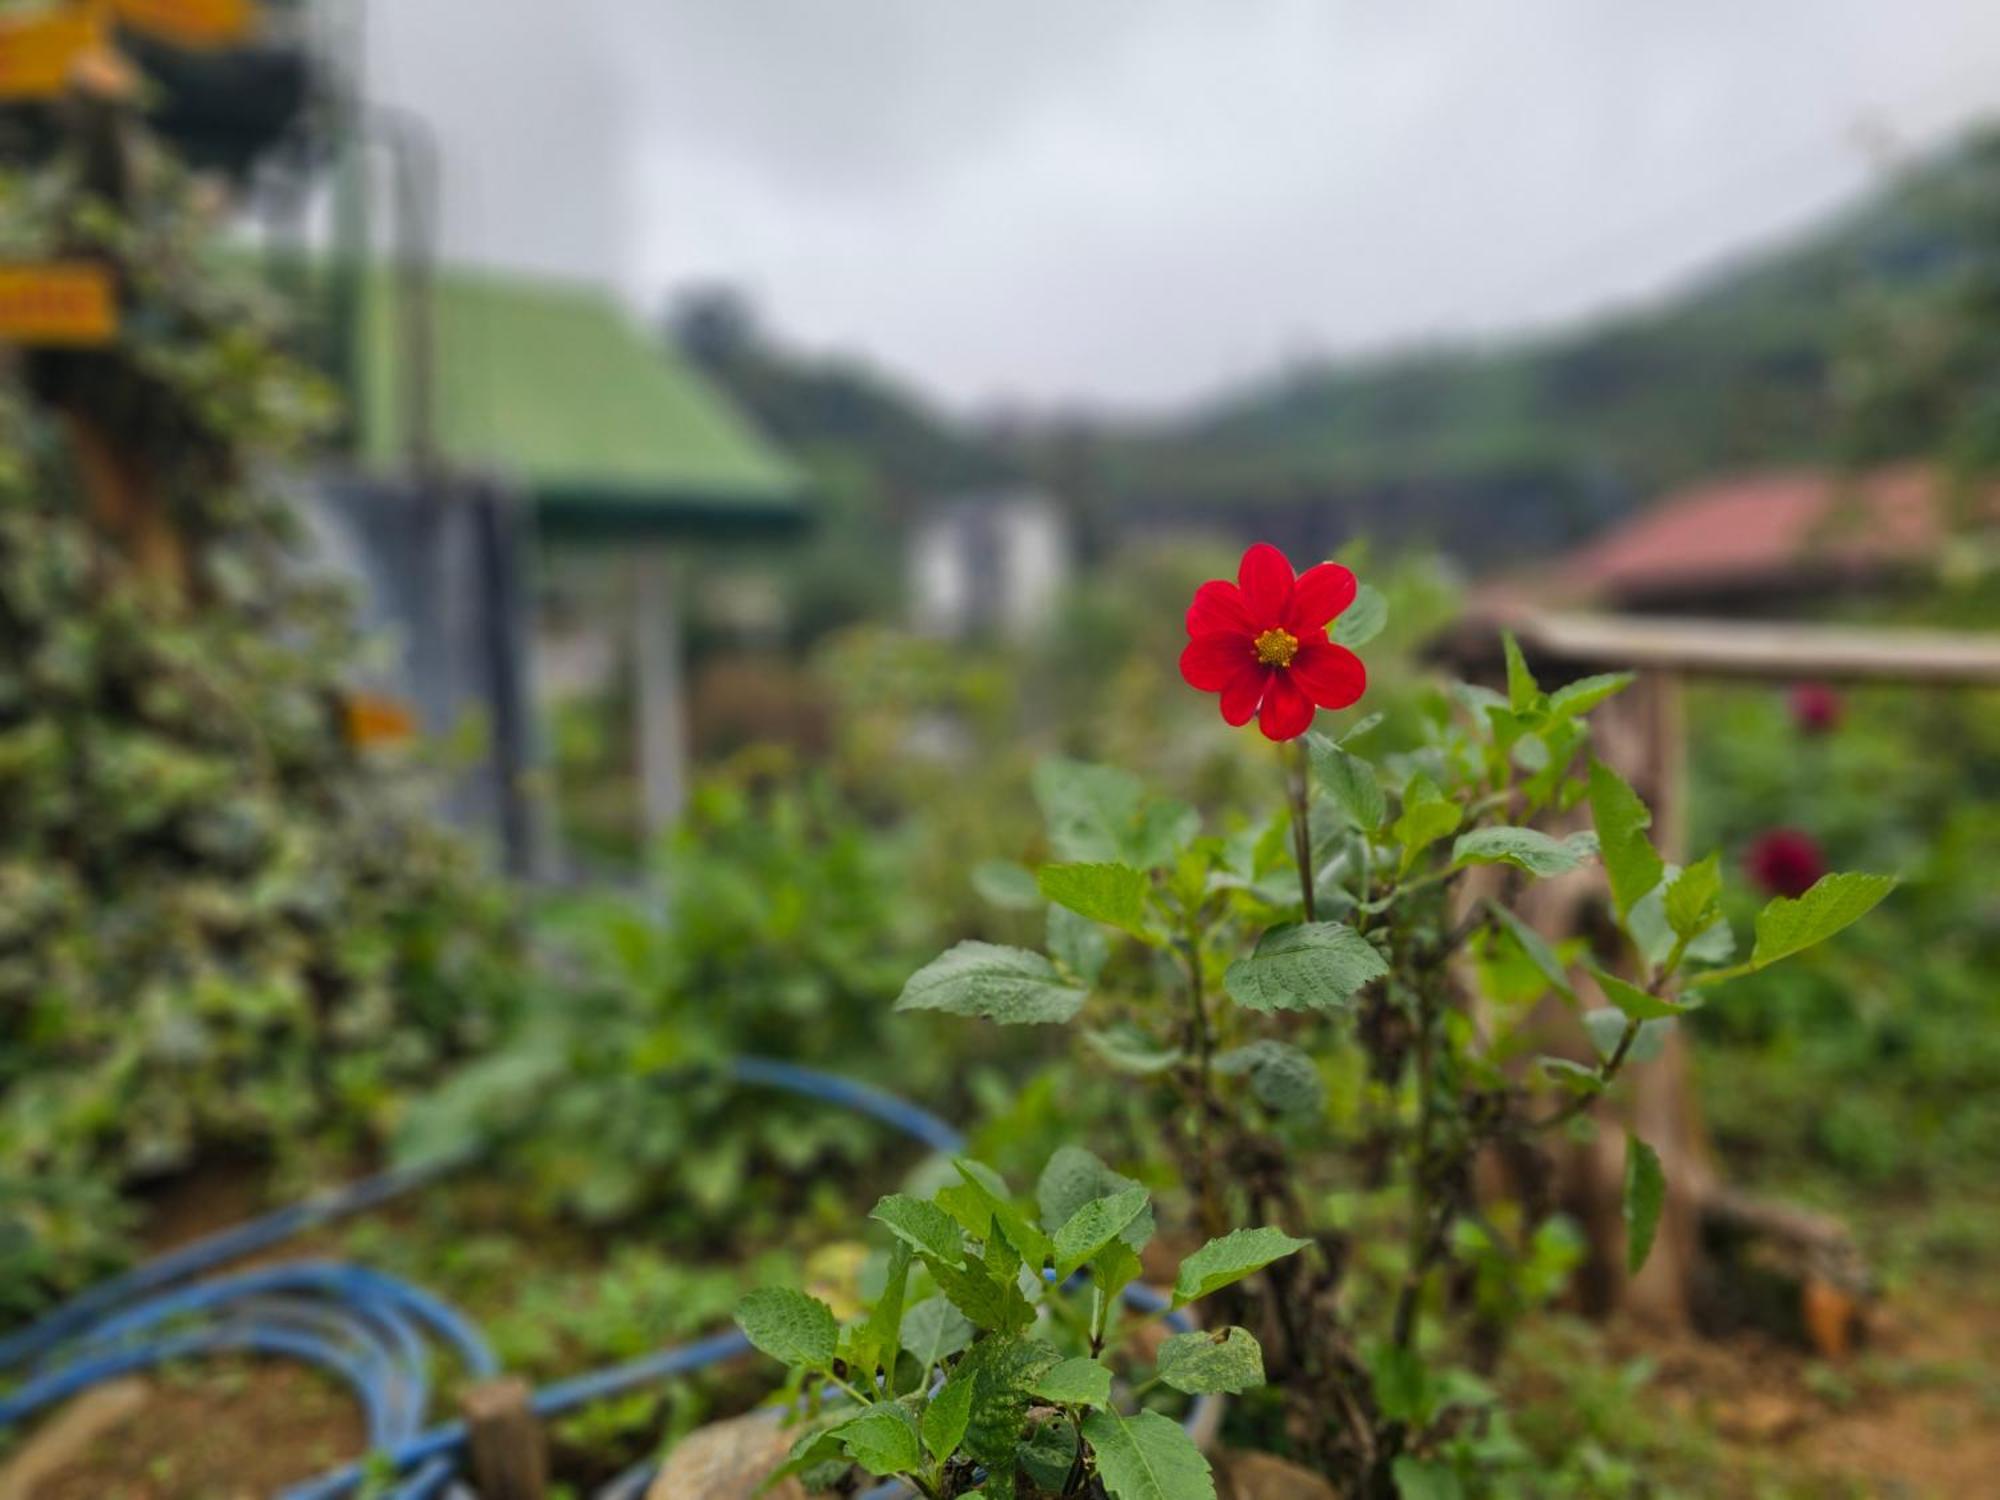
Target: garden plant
1337,1014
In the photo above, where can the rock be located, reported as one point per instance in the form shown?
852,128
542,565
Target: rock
69,1435
727,1461
1260,1476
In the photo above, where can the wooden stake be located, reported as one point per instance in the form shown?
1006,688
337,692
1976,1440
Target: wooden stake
509,1452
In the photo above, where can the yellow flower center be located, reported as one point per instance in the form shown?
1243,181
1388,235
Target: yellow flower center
1276,648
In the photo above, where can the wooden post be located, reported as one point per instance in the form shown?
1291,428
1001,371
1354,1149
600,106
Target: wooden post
508,1450
659,691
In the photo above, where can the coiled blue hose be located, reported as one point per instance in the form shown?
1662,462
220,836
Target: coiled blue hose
367,1328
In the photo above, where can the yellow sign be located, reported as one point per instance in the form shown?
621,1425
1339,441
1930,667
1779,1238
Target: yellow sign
38,50
58,302
192,23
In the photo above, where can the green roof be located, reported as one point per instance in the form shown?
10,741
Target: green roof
552,387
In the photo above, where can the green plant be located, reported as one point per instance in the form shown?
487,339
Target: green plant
990,1361
1238,974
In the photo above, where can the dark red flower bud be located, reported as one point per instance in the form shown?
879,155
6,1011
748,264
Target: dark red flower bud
1816,708
1785,861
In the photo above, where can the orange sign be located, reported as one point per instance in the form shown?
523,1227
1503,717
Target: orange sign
58,302
38,50
192,23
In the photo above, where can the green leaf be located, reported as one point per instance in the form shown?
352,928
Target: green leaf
1226,1261
1402,1384
1606,1028
1540,954
1077,943
1693,897
1645,1193
1521,685
1526,849
925,1227
1008,985
999,1203
1637,1003
877,1342
1786,927
1581,696
1147,1457
1003,1371
1089,809
989,1301
1573,1076
946,1416
1075,1382
1130,1050
1114,894
1073,1178
1350,781
1005,884
1630,860
791,1327
1420,1479
1362,620
1304,966
883,1439
1426,818
934,1330
1227,1361
1094,1226
1281,1076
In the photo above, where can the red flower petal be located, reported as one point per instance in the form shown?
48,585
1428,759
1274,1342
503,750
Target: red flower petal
1332,676
1321,593
1266,579
1287,712
1245,692
1218,607
1211,662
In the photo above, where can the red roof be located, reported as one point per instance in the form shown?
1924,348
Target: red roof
1768,528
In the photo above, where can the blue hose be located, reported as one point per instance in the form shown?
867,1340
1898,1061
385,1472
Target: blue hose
367,1328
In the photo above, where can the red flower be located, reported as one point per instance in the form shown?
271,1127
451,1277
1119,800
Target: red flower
1261,643
1816,708
1785,862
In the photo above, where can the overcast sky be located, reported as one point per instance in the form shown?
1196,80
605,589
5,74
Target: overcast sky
1133,202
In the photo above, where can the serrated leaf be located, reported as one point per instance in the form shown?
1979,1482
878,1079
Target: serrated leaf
1227,1361
1304,966
1074,1177
992,1302
1130,1050
1691,898
877,1341
1002,1371
999,1206
946,1416
1147,1457
1225,1261
1540,954
1362,620
1114,894
1350,782
1281,1076
1786,927
1645,1194
1008,985
1581,696
1075,1382
883,1439
1526,849
1521,685
1005,884
934,1330
1630,861
1094,1226
1077,943
790,1326
1654,936
1426,817
1637,1003
925,1227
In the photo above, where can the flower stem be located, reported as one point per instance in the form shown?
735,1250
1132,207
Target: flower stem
1299,790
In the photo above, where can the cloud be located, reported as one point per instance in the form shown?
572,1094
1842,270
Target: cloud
1131,201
